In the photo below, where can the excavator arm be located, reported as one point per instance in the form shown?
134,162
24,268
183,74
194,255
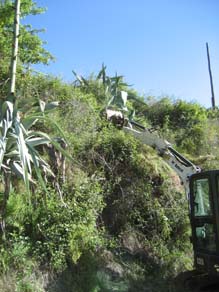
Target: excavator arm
181,165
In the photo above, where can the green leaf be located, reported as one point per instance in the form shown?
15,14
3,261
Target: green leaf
18,170
44,118
2,149
23,152
29,122
119,101
8,107
53,142
42,105
36,141
37,168
12,154
51,105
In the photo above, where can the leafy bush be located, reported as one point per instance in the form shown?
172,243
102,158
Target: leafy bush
55,232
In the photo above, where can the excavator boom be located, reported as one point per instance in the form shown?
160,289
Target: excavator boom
181,165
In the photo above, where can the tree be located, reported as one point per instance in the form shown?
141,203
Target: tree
31,50
18,153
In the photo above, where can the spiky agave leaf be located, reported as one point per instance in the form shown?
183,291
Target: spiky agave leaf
41,136
5,125
81,79
17,169
119,101
23,151
102,74
36,141
18,143
39,164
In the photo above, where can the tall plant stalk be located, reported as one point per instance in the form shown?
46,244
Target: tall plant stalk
14,56
8,114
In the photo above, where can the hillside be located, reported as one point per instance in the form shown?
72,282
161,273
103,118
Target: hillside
119,221
86,207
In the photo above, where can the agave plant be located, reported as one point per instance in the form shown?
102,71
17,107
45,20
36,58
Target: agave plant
113,86
18,140
18,143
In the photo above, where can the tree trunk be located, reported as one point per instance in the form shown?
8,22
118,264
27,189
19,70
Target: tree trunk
3,206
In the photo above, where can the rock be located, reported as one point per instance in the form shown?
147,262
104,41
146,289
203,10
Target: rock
131,242
110,265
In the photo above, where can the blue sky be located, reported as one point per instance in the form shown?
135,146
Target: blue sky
158,45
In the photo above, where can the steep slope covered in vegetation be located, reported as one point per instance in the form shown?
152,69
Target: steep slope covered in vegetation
120,221
114,216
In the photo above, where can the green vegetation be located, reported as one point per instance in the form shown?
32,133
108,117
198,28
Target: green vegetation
110,215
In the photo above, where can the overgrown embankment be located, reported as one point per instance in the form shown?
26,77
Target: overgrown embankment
107,214
119,221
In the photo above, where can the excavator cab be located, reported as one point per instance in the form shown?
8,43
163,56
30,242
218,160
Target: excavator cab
204,216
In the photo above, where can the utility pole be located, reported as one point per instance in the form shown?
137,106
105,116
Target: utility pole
211,79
